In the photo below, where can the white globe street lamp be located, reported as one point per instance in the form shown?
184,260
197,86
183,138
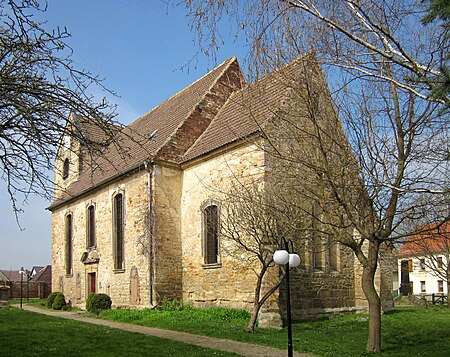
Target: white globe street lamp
289,260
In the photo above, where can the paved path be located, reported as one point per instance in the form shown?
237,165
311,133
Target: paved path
241,348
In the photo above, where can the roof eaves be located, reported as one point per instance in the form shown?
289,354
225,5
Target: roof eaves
57,204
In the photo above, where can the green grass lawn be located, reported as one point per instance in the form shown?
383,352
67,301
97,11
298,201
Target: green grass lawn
24,333
408,331
415,331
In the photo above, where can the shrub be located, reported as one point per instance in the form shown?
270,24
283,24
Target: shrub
97,302
59,302
51,299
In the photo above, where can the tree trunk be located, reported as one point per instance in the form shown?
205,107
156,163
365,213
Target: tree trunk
368,286
253,316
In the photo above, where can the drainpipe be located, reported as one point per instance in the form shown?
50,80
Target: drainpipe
149,167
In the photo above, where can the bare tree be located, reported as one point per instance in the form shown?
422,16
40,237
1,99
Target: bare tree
380,61
354,35
253,222
39,88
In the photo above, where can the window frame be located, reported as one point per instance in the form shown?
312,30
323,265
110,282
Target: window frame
66,168
440,286
68,244
207,240
440,263
118,228
422,264
334,256
423,287
91,225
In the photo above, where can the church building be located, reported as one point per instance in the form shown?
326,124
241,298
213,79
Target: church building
141,222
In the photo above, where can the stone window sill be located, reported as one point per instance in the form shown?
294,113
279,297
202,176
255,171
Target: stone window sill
212,266
119,271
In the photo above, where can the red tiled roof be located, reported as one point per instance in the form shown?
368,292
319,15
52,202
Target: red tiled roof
431,238
147,136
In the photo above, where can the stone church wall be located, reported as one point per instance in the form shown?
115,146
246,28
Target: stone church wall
322,292
116,284
231,282
167,276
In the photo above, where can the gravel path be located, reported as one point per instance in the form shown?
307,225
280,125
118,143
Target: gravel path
241,348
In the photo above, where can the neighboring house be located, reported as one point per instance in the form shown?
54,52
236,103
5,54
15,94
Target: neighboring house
423,261
36,283
43,274
35,269
142,223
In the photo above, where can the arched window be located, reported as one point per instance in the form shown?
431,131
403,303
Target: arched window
118,231
66,169
334,256
211,227
68,243
317,252
90,227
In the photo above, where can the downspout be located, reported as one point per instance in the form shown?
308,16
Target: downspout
149,167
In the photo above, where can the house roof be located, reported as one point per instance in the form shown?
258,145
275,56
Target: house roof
44,274
95,133
11,275
428,239
165,132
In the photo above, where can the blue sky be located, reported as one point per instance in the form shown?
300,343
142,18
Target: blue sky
139,47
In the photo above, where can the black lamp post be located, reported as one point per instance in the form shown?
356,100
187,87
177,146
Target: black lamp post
290,260
21,272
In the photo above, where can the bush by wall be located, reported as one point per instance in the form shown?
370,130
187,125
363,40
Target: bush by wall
51,299
59,303
97,302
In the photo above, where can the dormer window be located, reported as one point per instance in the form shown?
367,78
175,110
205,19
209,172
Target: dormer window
66,169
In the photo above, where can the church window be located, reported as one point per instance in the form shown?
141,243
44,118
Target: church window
90,227
211,226
68,245
317,253
317,243
118,232
333,253
66,169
